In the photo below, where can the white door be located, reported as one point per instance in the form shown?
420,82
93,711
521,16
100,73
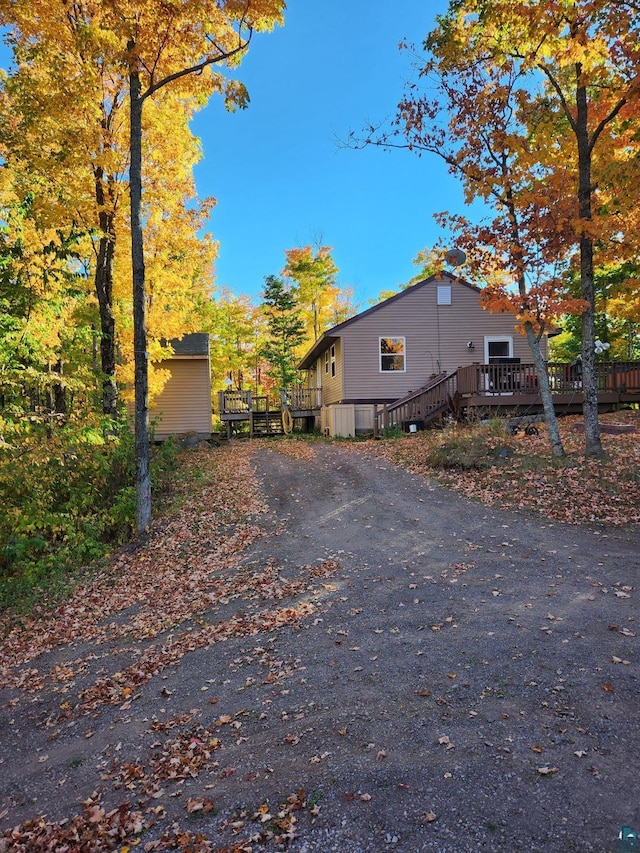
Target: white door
497,347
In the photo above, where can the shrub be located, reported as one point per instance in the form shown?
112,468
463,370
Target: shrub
68,496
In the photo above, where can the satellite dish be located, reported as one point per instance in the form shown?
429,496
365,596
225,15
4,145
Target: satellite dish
455,257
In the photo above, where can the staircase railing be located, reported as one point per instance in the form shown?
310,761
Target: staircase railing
418,407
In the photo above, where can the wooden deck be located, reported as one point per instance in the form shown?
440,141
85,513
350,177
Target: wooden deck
500,389
263,413
486,389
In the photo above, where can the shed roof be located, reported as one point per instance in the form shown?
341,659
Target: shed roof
330,336
196,343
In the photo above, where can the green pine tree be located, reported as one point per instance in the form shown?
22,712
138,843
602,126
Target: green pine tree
285,329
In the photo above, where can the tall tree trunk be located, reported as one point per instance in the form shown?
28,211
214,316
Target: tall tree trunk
104,292
143,476
593,444
551,419
532,338
59,396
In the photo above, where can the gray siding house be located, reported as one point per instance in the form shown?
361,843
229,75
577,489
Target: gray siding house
395,347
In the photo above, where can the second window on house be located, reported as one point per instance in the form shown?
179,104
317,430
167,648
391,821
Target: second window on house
392,355
330,360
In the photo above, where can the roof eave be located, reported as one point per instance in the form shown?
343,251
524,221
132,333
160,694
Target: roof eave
323,343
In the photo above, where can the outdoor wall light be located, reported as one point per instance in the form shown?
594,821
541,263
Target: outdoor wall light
470,345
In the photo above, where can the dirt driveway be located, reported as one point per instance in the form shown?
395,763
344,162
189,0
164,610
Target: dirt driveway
366,662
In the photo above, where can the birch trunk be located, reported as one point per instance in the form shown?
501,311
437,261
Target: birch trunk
557,447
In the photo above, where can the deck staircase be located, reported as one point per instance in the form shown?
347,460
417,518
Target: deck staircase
268,422
423,406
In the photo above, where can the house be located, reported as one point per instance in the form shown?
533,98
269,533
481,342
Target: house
399,345
184,404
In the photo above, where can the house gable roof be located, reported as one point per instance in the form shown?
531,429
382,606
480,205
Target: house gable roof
330,336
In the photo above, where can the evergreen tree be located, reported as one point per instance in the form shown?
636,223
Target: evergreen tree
285,329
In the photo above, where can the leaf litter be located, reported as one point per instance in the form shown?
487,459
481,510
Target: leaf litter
243,590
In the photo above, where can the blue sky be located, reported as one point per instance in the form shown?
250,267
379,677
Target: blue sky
278,172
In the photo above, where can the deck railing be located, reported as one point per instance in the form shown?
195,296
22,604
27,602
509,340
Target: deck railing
234,402
623,376
491,380
564,378
298,399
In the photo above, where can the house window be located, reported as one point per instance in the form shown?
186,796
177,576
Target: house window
392,355
444,294
330,360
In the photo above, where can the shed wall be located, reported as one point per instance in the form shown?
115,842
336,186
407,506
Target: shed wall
184,404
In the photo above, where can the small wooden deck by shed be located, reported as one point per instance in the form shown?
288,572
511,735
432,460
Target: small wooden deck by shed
265,414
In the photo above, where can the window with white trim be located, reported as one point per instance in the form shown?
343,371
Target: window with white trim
330,360
392,355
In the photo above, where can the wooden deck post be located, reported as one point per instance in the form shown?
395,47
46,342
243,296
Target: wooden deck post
376,431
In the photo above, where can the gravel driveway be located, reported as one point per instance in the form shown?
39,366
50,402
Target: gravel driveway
451,678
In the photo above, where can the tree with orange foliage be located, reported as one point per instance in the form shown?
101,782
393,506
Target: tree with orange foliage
529,104
513,246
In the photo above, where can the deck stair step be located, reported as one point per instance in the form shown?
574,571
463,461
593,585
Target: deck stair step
266,423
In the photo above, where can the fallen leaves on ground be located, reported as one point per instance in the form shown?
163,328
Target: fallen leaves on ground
139,617
93,830
175,575
292,447
188,565
575,490
184,590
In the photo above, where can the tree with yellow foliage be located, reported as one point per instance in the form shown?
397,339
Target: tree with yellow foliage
162,46
100,56
64,135
41,296
322,302
237,334
64,139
